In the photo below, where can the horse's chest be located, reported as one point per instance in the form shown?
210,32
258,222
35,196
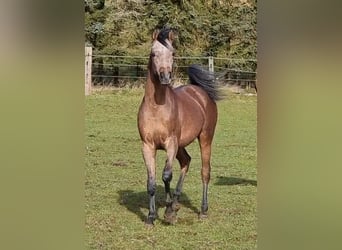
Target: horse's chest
157,127
160,125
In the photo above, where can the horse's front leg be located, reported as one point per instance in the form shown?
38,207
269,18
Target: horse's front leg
149,153
171,147
184,161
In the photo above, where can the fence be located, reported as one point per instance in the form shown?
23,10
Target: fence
110,70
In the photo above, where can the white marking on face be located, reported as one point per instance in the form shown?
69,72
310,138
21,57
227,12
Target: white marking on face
162,57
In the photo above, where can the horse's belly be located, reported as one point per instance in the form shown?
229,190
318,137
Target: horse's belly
190,129
185,140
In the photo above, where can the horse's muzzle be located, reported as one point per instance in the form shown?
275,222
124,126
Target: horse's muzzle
165,78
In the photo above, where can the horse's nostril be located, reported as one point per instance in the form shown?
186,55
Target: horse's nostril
165,77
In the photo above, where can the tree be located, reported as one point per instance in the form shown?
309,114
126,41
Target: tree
218,28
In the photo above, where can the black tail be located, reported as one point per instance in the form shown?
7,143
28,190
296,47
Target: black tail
206,80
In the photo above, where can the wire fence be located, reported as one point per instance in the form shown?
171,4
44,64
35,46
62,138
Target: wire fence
110,70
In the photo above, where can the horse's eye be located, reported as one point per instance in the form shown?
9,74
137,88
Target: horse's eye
173,53
153,54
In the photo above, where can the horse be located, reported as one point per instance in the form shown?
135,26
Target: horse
171,118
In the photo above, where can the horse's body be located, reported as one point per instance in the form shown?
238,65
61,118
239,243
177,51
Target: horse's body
170,119
188,110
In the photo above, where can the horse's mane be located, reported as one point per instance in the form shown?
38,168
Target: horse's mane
206,80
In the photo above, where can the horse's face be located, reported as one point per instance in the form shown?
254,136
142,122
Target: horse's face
162,61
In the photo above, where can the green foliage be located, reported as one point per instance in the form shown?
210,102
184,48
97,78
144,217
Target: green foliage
217,28
95,17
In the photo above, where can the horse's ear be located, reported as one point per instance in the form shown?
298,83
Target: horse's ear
155,34
171,36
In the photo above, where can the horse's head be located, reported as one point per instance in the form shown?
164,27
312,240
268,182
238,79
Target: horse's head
162,55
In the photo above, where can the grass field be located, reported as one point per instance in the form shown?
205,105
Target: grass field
115,175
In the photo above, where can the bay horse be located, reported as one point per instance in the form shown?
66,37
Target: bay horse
172,118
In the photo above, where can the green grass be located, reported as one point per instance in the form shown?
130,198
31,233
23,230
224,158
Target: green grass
115,188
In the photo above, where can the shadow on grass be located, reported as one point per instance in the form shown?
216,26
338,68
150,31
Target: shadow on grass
230,181
137,202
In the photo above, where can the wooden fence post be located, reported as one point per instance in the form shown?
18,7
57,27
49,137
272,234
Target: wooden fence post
88,62
211,63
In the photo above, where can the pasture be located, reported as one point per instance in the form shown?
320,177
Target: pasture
116,200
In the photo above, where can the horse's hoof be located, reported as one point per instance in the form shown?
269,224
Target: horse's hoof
149,225
176,206
203,216
170,218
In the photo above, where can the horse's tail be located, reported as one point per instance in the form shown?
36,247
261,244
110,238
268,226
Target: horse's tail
206,80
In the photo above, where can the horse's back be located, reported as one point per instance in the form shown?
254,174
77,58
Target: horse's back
195,95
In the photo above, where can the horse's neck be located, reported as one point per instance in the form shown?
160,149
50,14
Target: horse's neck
155,93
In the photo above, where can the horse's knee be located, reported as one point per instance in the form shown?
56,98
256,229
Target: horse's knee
205,174
167,175
151,187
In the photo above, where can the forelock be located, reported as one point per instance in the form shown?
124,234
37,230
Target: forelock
163,38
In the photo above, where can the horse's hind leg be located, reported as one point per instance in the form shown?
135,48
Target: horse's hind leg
184,160
205,144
